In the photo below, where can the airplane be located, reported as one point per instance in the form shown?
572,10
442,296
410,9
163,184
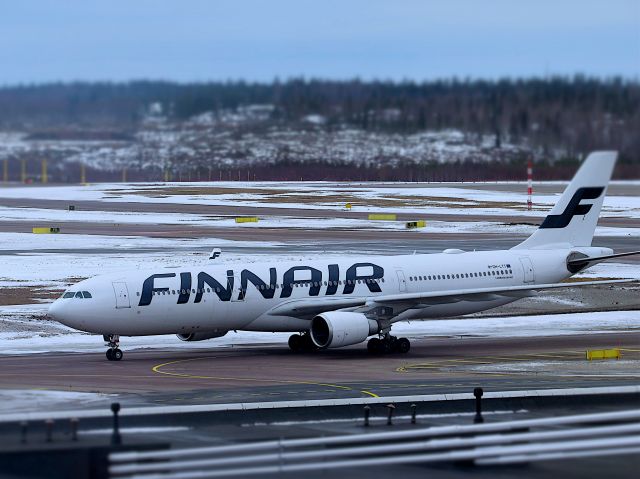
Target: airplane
331,303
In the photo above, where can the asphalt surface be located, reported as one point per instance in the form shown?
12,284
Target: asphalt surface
268,373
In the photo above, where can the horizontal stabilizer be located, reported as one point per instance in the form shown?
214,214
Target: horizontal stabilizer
597,259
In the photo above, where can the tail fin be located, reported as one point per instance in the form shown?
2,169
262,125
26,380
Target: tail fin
573,220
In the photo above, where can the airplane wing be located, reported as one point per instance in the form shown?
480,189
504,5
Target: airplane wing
393,304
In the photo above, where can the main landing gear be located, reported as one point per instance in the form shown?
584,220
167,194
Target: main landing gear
113,341
301,343
388,344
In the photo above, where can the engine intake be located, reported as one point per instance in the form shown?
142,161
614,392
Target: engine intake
201,336
336,329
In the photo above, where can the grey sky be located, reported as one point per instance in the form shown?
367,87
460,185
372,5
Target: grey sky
186,40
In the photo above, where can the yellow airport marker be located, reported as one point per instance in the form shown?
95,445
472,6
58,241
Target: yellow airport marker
247,219
604,354
416,224
45,230
383,216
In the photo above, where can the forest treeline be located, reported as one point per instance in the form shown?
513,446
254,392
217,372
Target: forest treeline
567,115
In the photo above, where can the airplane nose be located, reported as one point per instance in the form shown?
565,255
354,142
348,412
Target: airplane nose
55,310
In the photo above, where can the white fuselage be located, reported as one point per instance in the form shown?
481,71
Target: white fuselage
220,296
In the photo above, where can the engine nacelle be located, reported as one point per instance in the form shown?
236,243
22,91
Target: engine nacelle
336,329
201,336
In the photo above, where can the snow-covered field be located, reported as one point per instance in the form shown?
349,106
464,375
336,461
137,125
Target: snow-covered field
433,199
288,222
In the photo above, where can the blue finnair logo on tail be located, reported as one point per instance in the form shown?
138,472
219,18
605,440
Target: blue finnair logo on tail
574,208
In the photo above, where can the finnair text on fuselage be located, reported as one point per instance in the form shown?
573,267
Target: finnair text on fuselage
314,279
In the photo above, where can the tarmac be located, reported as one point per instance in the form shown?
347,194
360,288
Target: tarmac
272,372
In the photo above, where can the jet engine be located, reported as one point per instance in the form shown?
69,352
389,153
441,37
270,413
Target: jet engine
201,336
336,329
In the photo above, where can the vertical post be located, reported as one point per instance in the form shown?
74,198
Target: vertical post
74,428
23,170
83,174
413,413
48,425
116,439
44,176
390,407
529,185
24,426
478,419
367,412
124,175
5,170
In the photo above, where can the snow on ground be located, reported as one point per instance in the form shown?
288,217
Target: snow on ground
432,199
78,242
46,336
289,222
28,400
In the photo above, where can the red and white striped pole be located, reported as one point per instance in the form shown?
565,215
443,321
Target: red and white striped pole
530,185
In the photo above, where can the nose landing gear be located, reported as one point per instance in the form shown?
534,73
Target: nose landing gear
388,344
113,341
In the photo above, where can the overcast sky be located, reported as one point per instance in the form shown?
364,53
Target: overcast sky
50,40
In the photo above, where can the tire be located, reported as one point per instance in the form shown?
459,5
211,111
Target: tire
117,354
295,343
374,346
110,354
307,344
404,345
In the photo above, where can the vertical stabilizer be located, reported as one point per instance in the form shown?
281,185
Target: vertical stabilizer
573,220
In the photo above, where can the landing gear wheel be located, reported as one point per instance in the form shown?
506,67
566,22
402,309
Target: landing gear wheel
375,346
295,343
307,343
403,345
113,341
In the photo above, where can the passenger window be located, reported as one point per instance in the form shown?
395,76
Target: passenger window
79,295
86,294
68,295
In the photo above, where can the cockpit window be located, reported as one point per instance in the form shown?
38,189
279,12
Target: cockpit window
69,295
86,294
79,295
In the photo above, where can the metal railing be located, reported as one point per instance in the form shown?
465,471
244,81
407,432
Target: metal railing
508,442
